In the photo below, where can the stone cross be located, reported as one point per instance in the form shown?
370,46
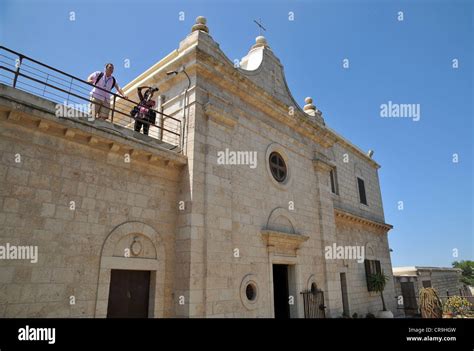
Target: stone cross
260,26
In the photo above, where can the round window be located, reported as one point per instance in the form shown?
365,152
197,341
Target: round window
251,292
278,167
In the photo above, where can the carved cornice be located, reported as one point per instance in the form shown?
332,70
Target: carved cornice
322,163
87,133
220,113
283,243
353,218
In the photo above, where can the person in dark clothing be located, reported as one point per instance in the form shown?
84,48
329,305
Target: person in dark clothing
144,113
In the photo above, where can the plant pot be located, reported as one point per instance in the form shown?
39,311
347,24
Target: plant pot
384,314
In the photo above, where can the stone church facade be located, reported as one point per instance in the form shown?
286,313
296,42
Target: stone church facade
190,235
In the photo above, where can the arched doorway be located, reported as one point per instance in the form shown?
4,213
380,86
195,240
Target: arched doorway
131,273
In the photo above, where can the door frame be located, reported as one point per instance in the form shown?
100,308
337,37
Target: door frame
294,284
129,264
283,283
109,260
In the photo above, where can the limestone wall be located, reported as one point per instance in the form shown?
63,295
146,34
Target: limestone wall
349,167
445,282
79,204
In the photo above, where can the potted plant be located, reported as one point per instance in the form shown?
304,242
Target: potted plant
378,281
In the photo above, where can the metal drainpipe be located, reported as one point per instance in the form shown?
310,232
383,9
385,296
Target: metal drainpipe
161,100
185,119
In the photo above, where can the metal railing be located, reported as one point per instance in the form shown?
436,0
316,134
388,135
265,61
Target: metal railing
27,74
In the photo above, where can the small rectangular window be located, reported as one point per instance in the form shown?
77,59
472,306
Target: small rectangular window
371,267
362,196
334,185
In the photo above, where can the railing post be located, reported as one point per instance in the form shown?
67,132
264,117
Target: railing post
69,91
113,109
161,122
44,90
18,65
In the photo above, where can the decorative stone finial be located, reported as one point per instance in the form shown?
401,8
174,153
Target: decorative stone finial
309,108
200,24
260,41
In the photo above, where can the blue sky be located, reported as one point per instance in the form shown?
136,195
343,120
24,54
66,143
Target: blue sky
407,61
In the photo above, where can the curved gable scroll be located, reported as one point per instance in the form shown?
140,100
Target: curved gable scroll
269,74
